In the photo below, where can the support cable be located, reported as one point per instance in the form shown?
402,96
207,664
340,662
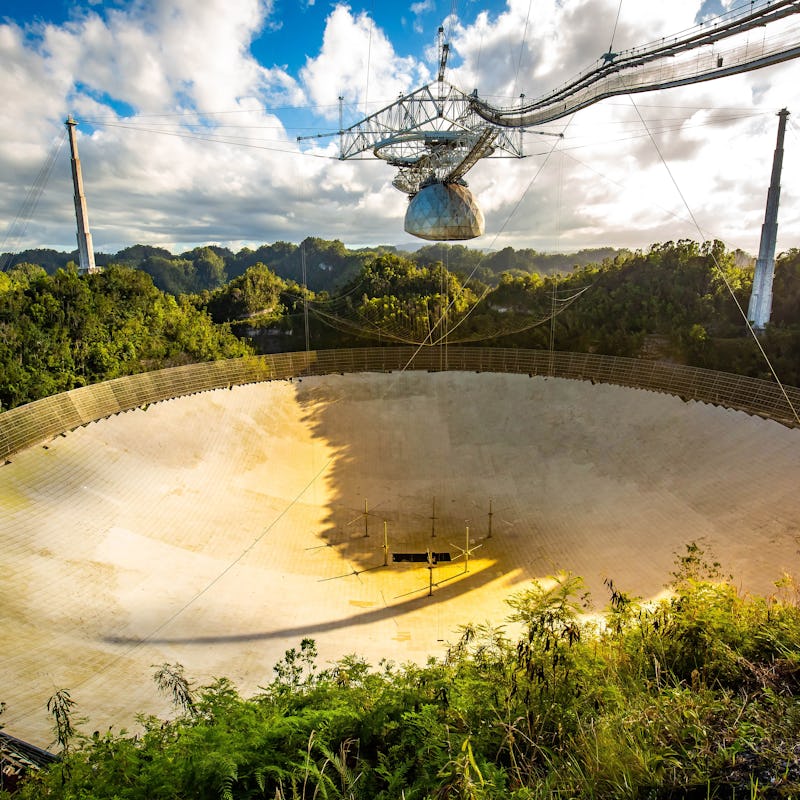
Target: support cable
364,327
200,593
622,186
16,230
507,220
451,19
551,348
226,141
496,236
369,57
614,32
644,67
522,48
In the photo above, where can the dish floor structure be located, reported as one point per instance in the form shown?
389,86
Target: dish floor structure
218,530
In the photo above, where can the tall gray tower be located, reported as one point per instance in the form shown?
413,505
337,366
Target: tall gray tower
760,308
85,250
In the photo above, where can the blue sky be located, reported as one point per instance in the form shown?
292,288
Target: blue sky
293,28
189,112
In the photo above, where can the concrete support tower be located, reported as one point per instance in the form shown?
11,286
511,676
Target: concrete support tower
760,308
85,250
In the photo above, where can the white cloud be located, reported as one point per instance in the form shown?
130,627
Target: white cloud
186,77
422,7
714,140
189,66
358,62
418,9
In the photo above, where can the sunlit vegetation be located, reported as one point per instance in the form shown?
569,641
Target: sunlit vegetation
676,301
64,330
327,265
693,696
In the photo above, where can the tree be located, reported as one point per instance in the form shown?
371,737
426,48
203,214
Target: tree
24,274
209,268
171,679
256,293
170,274
68,330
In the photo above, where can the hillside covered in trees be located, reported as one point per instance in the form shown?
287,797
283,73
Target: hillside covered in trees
64,330
148,309
692,697
328,264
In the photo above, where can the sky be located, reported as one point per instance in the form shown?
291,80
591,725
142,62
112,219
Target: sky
189,113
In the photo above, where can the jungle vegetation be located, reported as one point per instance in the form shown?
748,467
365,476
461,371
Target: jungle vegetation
63,330
328,264
694,696
673,301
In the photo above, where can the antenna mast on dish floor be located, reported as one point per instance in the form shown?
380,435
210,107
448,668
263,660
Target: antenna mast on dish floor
85,250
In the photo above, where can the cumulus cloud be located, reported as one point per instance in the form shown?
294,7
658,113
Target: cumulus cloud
186,138
652,162
173,169
358,62
418,10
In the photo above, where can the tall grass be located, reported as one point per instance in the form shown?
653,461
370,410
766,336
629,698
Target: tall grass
695,696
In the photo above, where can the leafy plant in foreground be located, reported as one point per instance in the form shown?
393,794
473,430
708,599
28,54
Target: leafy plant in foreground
694,696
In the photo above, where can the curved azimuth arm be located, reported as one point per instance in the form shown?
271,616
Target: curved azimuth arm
435,134
708,51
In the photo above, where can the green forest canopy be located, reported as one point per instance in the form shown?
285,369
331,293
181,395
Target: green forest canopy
328,264
150,309
64,330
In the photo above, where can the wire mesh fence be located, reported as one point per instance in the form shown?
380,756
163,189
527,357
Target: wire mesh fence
43,419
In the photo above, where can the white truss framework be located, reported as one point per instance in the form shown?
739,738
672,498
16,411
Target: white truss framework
432,134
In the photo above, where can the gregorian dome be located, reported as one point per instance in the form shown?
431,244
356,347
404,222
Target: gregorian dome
444,212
